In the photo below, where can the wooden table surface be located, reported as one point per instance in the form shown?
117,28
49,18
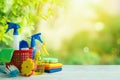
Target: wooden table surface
77,72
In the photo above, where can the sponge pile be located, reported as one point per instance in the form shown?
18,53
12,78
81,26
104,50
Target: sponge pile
52,65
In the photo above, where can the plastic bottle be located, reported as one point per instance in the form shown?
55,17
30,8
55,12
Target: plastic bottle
16,42
33,43
39,65
15,33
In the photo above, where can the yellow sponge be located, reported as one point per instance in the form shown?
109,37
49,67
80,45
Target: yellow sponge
52,65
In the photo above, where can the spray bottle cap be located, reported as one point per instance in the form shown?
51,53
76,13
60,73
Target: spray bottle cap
13,26
35,37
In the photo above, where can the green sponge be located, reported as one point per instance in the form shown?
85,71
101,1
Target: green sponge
6,54
51,60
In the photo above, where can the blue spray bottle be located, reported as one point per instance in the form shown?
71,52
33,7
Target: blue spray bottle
33,43
15,33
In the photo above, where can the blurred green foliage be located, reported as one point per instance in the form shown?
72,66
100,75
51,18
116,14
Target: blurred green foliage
103,45
27,13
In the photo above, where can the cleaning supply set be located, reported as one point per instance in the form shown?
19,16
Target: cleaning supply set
24,59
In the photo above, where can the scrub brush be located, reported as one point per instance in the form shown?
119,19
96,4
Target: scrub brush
2,67
12,71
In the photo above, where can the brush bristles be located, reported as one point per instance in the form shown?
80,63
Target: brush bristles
10,68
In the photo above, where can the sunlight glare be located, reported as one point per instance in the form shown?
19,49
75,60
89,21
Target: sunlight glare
99,26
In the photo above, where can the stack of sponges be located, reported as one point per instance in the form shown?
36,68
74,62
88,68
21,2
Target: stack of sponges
52,65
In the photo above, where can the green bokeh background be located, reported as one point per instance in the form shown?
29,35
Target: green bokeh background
84,47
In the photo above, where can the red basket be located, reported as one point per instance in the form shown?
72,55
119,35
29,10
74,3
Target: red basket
19,56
